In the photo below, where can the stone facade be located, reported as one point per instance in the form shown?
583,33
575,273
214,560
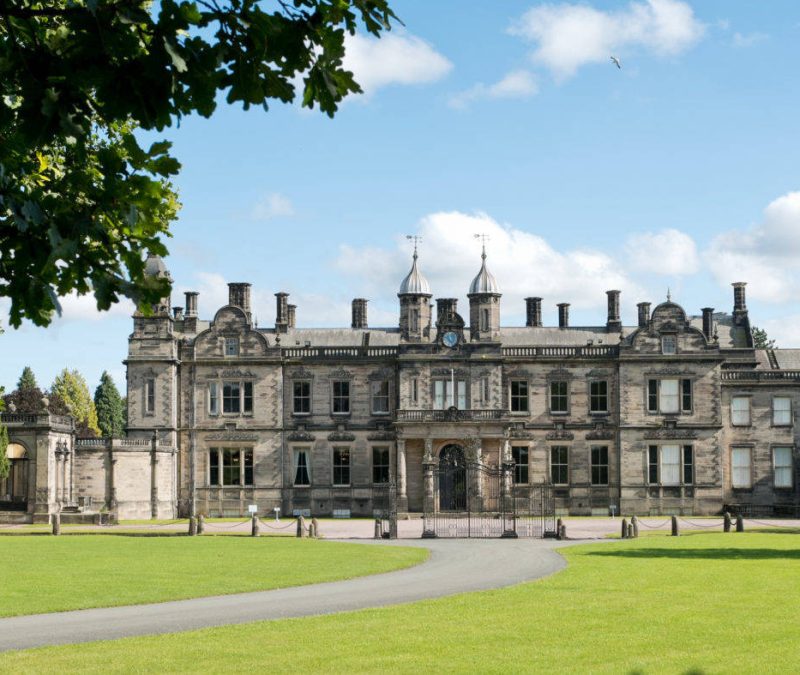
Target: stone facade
678,414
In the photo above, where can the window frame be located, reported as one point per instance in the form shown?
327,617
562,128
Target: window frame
520,398
213,398
150,396
415,391
304,450
301,397
600,466
749,421
373,396
521,468
559,464
673,337
340,397
229,342
551,396
387,466
790,412
748,449
655,466
789,467
455,398
220,466
593,396
343,451
684,395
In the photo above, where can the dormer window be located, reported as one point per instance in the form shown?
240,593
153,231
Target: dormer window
669,344
231,346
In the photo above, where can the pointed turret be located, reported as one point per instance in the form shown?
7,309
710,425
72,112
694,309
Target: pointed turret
484,303
415,308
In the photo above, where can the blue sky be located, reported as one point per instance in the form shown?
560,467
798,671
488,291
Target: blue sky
679,170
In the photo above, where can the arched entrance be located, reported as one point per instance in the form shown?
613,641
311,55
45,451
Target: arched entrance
452,478
14,488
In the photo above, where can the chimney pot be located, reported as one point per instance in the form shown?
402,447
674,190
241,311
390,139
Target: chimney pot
191,303
613,322
644,314
563,315
177,313
739,299
292,315
533,312
708,322
239,296
281,312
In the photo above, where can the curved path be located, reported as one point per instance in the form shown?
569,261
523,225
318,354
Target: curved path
455,566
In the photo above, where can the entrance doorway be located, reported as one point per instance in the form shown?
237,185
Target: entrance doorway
452,478
14,488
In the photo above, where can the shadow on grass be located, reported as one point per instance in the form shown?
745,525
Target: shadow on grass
704,553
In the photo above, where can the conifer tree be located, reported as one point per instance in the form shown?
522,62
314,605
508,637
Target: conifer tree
71,386
110,408
27,380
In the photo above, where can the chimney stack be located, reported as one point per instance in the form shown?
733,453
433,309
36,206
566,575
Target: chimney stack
708,322
177,313
739,300
359,314
281,312
644,314
613,323
533,312
191,303
239,296
563,315
291,310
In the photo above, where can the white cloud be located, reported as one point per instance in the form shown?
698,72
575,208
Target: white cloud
516,84
524,264
273,205
669,253
748,40
568,36
767,255
396,58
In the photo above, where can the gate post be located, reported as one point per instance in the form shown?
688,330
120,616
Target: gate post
429,501
509,514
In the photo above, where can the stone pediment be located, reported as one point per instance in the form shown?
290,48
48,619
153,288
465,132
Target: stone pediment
232,436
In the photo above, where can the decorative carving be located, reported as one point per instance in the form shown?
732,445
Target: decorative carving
381,435
301,374
559,374
232,372
600,435
445,372
669,433
382,374
341,374
598,373
559,434
232,436
518,373
341,434
300,434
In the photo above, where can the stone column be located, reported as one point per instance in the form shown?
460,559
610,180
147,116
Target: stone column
111,499
429,499
154,476
65,486
402,496
57,475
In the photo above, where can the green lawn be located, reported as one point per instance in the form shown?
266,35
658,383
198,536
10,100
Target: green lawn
705,603
49,574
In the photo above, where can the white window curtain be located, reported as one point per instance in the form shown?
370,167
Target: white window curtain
740,462
781,411
740,410
669,396
670,465
783,467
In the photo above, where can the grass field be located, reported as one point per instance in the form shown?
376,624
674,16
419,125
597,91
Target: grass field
705,603
48,574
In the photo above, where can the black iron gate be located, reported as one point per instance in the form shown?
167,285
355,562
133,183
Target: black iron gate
474,500
384,504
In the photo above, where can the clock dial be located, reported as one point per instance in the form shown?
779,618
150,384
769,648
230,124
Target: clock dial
450,339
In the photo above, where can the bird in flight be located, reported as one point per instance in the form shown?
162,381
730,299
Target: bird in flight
616,62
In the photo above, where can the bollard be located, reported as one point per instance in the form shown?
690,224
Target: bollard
624,528
562,532
201,524
559,525
312,529
739,523
56,524
378,529
254,526
630,531
675,530
315,527
192,526
301,527
635,525
726,522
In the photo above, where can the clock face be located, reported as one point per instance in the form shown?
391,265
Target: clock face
450,339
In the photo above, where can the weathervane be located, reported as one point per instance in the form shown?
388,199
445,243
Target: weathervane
669,295
416,239
484,238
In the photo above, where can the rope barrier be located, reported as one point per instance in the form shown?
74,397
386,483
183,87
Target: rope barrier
225,527
689,522
291,523
654,527
761,522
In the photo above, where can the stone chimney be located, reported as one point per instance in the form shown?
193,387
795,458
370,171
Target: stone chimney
563,315
177,313
281,312
359,313
613,323
239,296
291,311
740,303
445,306
644,314
533,312
708,322
191,303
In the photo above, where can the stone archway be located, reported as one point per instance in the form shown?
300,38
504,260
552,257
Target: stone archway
452,478
14,488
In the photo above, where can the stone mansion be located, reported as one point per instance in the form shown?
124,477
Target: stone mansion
676,414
